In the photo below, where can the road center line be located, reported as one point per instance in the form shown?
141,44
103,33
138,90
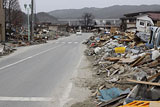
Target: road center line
27,99
69,42
22,60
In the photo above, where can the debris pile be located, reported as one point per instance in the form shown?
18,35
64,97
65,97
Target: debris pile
22,40
129,69
6,49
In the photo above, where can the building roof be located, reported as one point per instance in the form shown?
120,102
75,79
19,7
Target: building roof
154,16
124,18
140,13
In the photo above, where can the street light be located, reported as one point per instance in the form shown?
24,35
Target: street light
27,8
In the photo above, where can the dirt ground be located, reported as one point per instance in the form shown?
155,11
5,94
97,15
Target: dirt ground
90,81
86,103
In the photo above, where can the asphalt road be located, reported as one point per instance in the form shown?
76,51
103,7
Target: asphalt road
38,76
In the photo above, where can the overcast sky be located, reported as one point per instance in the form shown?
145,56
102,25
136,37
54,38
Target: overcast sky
49,5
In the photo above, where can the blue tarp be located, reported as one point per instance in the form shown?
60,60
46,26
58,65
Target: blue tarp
116,37
109,94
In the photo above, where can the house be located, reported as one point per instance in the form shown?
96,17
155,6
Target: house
2,22
53,27
128,24
58,27
104,22
140,21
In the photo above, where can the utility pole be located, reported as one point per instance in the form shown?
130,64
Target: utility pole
5,15
28,15
32,19
29,38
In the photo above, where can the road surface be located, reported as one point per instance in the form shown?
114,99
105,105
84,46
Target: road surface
38,76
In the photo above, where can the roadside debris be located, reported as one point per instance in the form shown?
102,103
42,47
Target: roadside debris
6,49
124,61
40,37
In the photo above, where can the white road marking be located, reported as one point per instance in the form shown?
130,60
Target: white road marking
27,99
63,42
75,42
69,42
57,42
4,67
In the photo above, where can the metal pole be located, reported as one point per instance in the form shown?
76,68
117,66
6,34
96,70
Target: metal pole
32,19
28,25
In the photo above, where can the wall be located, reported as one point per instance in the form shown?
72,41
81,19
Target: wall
53,28
2,22
131,25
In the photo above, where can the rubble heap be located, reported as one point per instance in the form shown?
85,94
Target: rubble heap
123,61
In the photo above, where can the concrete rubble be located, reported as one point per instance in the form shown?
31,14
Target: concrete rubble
123,61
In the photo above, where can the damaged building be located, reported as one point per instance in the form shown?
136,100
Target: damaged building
2,22
140,21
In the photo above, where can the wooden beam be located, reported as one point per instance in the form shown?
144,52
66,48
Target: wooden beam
113,100
154,76
143,82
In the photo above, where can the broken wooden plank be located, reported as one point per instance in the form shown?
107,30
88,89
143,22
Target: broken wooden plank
118,104
113,100
154,76
112,59
153,64
116,71
126,40
126,60
138,61
144,82
100,88
147,59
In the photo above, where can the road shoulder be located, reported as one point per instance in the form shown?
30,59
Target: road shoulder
80,91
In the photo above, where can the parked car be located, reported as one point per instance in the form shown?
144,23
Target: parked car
79,32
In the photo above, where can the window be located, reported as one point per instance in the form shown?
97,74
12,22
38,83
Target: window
142,23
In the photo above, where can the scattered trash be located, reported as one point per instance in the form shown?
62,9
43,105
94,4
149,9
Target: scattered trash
97,50
120,49
155,54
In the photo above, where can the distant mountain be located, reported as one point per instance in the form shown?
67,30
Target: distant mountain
116,11
45,17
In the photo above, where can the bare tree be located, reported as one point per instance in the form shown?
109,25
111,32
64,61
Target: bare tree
87,20
14,15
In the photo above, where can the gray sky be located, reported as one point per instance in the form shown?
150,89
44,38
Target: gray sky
49,5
